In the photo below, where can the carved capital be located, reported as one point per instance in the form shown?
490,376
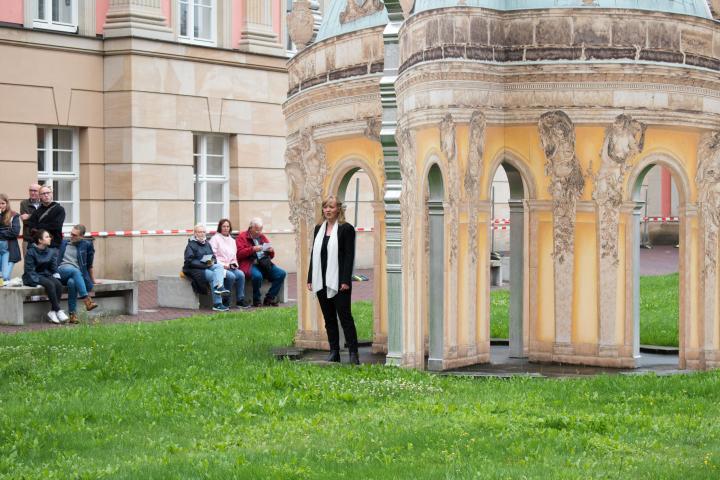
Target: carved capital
476,151
355,10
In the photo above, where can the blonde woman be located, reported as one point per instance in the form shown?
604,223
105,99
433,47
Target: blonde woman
9,231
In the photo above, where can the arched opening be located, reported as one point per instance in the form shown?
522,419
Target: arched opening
436,267
359,192
508,328
658,194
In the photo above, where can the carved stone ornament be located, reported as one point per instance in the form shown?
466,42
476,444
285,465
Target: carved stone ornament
449,149
356,9
708,184
557,136
300,23
405,139
473,176
624,139
407,6
372,128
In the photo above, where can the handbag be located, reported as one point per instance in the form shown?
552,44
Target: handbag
265,265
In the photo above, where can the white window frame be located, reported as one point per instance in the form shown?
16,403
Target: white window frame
190,37
48,23
201,179
48,176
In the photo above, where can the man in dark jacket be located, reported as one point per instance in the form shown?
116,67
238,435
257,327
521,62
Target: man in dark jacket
49,216
75,266
202,268
27,208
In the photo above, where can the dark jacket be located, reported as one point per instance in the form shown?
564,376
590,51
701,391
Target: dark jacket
9,233
85,257
39,263
346,253
193,268
50,218
246,253
27,207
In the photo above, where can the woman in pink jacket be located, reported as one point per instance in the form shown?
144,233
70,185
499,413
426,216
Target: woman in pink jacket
225,251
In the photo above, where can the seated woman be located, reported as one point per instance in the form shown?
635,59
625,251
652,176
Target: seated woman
223,246
202,268
9,231
41,269
75,266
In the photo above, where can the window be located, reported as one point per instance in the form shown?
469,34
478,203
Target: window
211,169
56,15
59,166
197,21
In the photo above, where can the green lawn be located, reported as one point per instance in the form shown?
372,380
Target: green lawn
658,311
203,398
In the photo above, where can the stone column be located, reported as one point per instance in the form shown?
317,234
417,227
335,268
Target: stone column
257,34
393,188
436,288
636,226
517,277
137,18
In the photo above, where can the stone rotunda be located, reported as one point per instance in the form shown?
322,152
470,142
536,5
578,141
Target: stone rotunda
576,100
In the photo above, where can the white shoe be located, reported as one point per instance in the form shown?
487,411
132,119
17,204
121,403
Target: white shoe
53,317
62,316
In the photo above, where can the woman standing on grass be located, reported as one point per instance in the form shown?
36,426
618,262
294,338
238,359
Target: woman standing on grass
330,276
9,231
41,269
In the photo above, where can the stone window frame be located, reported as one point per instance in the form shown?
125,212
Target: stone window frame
84,21
51,176
201,179
32,10
214,23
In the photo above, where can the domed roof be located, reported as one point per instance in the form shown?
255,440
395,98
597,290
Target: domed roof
331,25
697,8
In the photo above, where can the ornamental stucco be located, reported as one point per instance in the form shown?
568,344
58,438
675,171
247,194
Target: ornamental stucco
708,183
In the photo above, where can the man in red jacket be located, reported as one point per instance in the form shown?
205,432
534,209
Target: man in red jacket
255,254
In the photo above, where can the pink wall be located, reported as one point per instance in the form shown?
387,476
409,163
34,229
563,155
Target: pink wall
167,11
237,11
11,11
277,12
101,8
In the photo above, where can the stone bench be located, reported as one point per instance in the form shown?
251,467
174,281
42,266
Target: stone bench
20,305
496,273
174,291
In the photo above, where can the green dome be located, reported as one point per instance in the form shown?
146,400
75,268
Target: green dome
697,8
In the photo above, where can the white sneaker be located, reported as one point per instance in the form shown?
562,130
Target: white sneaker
53,317
62,316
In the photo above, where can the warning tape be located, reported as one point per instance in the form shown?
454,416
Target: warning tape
661,219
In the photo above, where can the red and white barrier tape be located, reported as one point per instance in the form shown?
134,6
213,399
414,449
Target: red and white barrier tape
661,219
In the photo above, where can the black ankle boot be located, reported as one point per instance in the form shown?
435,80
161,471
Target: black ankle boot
334,356
354,358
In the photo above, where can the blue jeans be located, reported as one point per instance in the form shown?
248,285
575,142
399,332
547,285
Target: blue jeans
276,278
214,276
5,264
238,278
73,279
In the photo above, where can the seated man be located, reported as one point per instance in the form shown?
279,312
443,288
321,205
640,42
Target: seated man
202,268
254,253
75,266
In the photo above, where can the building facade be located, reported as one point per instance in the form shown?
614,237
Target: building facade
577,100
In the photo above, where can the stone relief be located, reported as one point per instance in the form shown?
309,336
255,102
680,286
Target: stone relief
624,139
407,6
449,149
557,137
473,176
372,128
300,22
356,9
305,167
708,184
405,139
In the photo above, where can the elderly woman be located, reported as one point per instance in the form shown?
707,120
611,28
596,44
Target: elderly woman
223,246
9,231
202,268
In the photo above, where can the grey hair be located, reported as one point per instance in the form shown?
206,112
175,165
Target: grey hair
199,225
256,222
80,228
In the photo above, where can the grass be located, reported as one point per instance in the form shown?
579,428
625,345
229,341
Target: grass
203,398
658,311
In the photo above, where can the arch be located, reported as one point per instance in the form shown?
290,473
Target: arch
344,170
435,266
521,169
645,164
433,160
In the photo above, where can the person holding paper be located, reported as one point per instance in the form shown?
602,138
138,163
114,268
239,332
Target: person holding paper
330,276
202,268
255,254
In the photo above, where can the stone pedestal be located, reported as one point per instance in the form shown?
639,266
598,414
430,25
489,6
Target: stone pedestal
257,34
136,18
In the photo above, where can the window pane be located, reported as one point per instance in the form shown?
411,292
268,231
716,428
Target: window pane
41,137
214,166
41,10
183,19
202,25
215,192
196,144
214,213
215,145
62,11
62,161
62,139
207,3
62,191
41,160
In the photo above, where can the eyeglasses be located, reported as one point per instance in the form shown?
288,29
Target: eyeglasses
45,193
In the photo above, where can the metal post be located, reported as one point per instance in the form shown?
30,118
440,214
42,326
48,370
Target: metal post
645,240
492,219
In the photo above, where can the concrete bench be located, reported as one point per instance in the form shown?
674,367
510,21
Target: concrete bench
20,305
174,291
496,273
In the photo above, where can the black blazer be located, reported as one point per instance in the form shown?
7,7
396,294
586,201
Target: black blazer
346,253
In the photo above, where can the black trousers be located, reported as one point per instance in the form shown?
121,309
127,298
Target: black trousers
53,287
332,309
